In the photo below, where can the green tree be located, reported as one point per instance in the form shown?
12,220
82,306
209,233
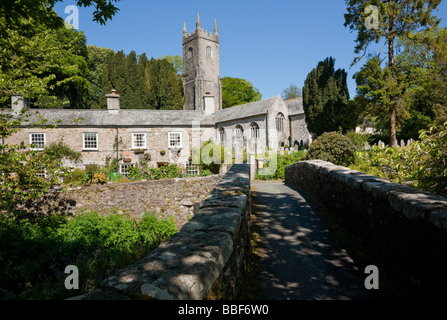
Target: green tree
291,92
394,19
97,59
176,61
41,11
237,91
48,66
325,98
25,173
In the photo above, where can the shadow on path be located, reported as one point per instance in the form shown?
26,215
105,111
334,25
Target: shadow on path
300,257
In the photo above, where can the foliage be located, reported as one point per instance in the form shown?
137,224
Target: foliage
237,91
163,172
325,98
394,19
25,173
41,11
209,161
359,139
282,161
47,66
97,58
422,164
291,92
142,83
33,256
333,147
60,151
100,178
77,177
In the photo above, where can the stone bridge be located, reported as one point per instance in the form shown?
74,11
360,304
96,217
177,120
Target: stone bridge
401,230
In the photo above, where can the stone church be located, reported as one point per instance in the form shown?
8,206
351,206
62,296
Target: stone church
164,137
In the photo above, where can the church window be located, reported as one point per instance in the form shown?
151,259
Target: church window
222,135
254,127
209,52
280,122
239,132
190,52
175,139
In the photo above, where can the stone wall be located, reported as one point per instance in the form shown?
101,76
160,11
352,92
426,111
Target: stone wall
205,260
401,230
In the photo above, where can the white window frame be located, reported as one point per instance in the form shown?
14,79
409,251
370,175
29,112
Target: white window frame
31,140
84,141
172,138
134,141
127,166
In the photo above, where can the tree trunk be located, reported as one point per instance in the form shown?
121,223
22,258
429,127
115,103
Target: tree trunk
393,137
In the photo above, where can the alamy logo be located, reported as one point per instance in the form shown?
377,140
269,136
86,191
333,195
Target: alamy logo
72,281
372,20
372,281
72,21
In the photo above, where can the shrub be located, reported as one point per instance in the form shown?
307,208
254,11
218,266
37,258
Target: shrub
333,147
282,162
33,255
100,178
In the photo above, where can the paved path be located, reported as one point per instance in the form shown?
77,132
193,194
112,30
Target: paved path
301,260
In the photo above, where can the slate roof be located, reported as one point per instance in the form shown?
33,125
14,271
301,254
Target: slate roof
122,118
295,106
245,110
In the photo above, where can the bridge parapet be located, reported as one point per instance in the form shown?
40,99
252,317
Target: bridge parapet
204,260
403,230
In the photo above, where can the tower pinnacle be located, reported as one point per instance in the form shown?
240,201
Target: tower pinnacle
184,29
215,27
198,26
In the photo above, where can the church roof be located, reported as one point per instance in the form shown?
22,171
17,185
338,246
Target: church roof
121,118
295,106
245,110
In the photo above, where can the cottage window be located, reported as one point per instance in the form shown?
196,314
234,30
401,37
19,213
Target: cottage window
124,169
175,139
138,141
90,141
37,141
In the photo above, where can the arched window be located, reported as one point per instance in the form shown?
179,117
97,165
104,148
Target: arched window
239,132
280,122
209,52
254,128
222,135
190,52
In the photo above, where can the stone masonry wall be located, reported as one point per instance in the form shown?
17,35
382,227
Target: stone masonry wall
401,229
203,261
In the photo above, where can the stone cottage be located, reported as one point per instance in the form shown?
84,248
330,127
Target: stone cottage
164,137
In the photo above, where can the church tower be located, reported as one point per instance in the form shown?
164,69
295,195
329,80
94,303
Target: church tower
203,89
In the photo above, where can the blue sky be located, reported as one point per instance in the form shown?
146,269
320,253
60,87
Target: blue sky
270,43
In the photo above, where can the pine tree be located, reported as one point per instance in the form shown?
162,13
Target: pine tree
325,98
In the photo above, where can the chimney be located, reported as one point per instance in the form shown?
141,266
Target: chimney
18,103
113,100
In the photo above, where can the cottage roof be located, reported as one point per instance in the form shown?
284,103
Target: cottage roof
123,117
295,106
245,110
